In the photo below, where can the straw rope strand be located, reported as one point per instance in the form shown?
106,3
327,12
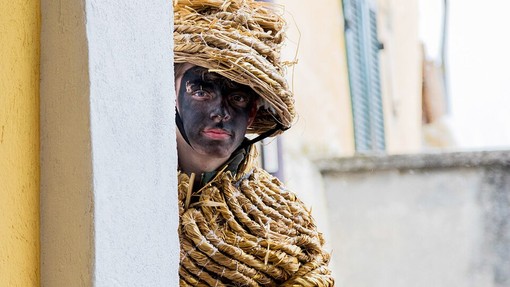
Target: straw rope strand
233,234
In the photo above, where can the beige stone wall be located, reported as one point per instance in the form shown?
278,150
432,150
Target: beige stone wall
319,80
401,72
321,86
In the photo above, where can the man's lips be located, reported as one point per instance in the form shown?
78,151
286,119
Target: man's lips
217,134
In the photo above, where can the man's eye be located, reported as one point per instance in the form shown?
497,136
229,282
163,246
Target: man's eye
200,94
241,100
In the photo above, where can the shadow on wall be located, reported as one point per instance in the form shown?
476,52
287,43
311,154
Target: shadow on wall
66,164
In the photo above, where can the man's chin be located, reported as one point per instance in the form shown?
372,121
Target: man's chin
215,151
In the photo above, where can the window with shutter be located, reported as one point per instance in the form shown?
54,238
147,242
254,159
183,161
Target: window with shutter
363,47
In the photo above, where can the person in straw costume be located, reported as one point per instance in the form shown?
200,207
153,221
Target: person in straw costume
239,226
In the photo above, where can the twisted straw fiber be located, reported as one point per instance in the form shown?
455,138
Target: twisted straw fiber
240,40
247,230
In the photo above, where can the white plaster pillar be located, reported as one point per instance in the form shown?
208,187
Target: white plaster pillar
108,155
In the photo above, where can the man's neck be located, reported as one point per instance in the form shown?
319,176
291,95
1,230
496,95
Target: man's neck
190,161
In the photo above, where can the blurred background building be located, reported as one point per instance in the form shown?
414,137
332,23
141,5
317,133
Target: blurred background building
400,144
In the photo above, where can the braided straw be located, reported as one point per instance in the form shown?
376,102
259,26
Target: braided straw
246,230
240,40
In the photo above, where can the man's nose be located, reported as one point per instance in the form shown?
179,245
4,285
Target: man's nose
220,112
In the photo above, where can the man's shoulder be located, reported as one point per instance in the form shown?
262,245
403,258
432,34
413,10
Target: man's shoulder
273,187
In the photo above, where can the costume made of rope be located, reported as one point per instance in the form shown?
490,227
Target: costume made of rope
245,229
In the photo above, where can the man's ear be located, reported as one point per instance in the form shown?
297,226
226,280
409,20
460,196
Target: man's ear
177,98
253,113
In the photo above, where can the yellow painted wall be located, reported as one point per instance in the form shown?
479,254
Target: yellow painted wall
19,143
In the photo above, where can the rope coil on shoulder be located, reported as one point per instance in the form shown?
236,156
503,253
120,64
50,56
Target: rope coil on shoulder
249,240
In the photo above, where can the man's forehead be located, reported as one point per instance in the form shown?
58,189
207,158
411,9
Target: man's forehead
187,69
193,75
201,73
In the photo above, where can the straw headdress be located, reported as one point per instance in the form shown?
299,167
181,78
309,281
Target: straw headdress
246,229
240,40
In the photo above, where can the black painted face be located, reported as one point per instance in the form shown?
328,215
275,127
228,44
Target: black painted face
215,111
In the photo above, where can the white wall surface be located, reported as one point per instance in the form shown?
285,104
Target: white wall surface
108,160
133,143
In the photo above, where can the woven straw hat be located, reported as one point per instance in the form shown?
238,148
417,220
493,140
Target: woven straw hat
240,40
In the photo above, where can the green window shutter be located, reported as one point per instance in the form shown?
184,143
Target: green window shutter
363,47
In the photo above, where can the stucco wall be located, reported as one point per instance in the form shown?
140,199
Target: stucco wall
19,143
133,143
319,79
401,74
108,156
424,220
320,83
66,167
